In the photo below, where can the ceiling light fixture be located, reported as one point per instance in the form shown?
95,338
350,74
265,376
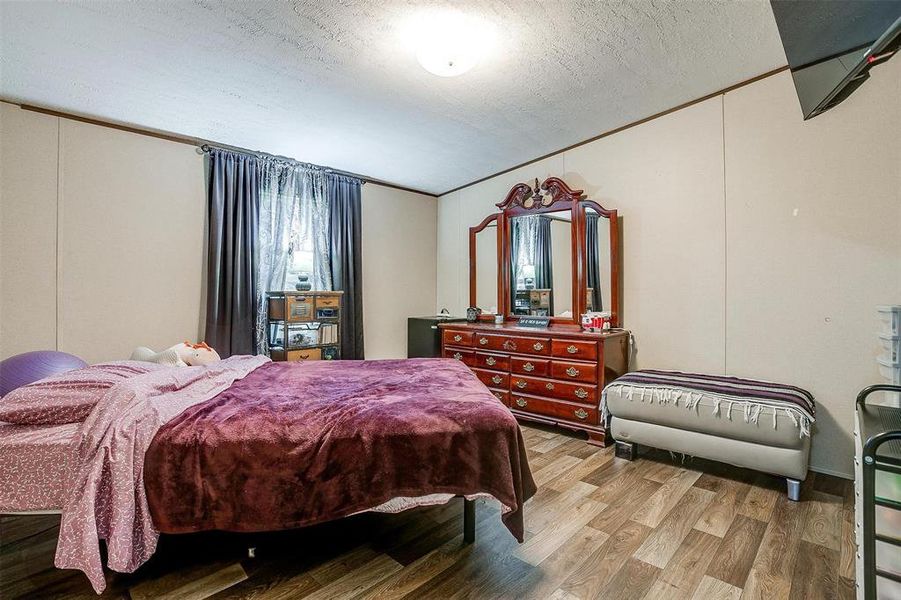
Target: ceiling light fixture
448,43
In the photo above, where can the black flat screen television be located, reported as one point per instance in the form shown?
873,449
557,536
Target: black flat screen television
832,44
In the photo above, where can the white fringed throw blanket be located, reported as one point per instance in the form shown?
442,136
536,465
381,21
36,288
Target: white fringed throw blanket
751,397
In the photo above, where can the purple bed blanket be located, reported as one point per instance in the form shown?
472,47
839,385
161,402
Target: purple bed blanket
294,444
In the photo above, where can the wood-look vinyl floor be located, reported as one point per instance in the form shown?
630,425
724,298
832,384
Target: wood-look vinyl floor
599,527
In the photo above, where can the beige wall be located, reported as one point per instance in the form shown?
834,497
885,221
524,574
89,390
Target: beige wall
28,172
132,211
720,273
399,270
102,238
124,264
813,243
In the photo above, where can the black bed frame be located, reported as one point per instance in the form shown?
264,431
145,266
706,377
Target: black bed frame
469,521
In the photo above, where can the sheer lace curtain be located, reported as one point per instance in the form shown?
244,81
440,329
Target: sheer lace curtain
525,232
532,244
294,216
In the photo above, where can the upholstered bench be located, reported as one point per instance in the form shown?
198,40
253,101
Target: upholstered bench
754,424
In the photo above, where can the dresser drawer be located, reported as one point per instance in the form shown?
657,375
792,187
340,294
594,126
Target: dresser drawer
300,308
573,392
294,355
566,411
493,379
574,371
508,343
306,354
328,301
457,338
467,356
502,396
575,349
530,366
497,362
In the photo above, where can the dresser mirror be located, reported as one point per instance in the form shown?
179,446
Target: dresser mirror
597,261
541,263
601,259
486,248
484,252
557,255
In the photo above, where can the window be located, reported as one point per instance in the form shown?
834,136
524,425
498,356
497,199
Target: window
301,262
302,251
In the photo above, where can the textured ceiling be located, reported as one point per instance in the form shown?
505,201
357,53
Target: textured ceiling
332,82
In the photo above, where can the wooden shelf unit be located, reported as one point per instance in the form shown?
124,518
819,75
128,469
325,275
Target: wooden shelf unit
296,322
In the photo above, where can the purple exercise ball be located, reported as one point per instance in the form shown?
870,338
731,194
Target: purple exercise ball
29,367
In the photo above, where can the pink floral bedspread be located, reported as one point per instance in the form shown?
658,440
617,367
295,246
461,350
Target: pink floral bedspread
36,464
108,499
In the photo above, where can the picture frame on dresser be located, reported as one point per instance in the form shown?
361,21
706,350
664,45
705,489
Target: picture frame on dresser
554,375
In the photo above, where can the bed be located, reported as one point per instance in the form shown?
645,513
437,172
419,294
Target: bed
252,445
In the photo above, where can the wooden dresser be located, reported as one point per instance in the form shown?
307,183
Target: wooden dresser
552,375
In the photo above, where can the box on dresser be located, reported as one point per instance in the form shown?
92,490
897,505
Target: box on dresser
553,376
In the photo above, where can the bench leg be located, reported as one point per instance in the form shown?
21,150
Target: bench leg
626,450
469,521
794,489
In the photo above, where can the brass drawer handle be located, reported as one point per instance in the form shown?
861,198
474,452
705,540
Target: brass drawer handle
581,414
580,393
483,341
549,385
490,361
458,356
499,396
572,349
497,379
521,384
458,338
538,346
521,402
572,372
528,367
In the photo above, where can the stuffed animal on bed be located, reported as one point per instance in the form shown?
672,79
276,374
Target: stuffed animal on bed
185,354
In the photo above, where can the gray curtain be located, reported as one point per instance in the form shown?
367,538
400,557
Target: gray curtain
344,233
593,263
233,202
515,263
544,262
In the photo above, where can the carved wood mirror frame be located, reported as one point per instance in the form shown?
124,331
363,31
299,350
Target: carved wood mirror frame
552,195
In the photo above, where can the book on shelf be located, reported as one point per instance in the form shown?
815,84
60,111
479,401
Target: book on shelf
328,333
